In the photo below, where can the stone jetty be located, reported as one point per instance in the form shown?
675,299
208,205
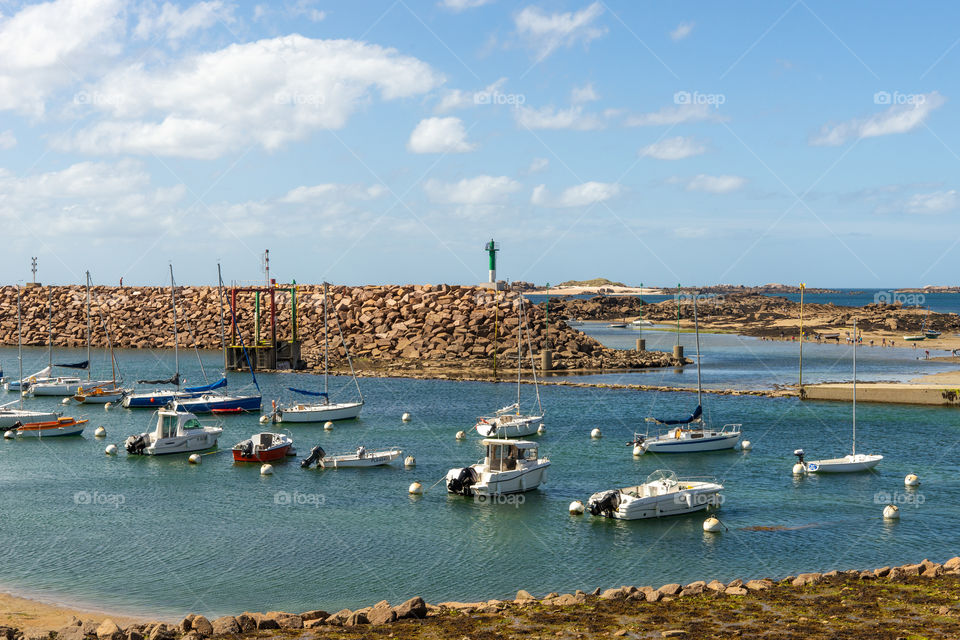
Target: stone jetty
391,328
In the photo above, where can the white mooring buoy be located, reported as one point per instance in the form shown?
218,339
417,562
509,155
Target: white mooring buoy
405,417
415,489
596,433
575,508
409,461
111,450
264,419
798,469
65,401
911,480
328,426
891,512
712,525
461,435
266,470
107,405
637,451
99,432
541,430
746,445
194,458
10,435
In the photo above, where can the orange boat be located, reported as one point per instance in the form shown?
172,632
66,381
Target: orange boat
59,427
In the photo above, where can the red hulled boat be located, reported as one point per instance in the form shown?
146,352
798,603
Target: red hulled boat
263,447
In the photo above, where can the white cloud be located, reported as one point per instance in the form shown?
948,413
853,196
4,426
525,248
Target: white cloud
459,99
266,93
582,195
538,165
175,24
331,191
898,118
674,149
462,5
479,190
715,184
547,32
439,135
682,31
933,203
675,115
48,46
7,140
553,118
583,94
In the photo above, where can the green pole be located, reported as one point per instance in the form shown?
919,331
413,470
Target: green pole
678,314
641,307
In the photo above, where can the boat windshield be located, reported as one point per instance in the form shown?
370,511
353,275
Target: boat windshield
168,426
662,475
192,423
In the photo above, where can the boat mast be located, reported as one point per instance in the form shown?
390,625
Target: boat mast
519,349
326,347
88,325
696,326
49,329
223,340
855,340
19,349
176,341
800,383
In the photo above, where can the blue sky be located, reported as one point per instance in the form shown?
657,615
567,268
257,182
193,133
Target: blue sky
386,142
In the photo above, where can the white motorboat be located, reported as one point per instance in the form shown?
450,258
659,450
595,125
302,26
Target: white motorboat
9,417
636,324
510,422
175,432
509,466
663,494
321,409
853,462
684,437
359,458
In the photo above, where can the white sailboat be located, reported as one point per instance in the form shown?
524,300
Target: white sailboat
509,466
663,494
321,410
108,393
684,438
853,462
509,422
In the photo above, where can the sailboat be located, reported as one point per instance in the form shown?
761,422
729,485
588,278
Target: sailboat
103,394
69,385
43,426
509,422
217,402
322,410
849,463
44,374
684,438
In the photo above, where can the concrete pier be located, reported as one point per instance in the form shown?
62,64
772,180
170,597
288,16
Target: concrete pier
887,392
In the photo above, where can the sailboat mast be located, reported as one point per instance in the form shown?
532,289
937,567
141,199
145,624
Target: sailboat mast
696,326
19,349
326,344
519,352
50,328
88,325
223,339
800,383
176,341
855,340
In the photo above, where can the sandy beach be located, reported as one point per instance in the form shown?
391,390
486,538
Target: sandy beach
28,614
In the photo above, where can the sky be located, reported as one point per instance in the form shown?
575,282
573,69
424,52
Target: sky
386,142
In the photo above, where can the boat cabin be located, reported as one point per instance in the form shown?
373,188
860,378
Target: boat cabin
172,423
503,455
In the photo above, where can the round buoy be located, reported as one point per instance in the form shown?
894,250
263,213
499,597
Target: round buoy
328,426
911,480
405,417
111,450
541,430
409,461
461,435
107,405
415,489
746,445
575,508
266,470
712,525
9,435
264,419
596,433
891,512
637,450
99,432
798,469
194,458
25,394
65,401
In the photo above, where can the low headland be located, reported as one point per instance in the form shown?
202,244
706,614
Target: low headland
909,601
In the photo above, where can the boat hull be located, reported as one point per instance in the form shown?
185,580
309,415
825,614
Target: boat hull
268,455
517,427
226,404
371,459
155,400
8,418
719,442
499,483
57,428
65,387
320,413
847,464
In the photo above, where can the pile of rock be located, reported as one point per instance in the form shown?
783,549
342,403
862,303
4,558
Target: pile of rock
384,324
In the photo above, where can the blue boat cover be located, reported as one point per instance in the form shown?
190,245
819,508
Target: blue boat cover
75,365
696,414
222,382
319,394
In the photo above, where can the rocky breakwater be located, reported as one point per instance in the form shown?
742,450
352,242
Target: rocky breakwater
388,329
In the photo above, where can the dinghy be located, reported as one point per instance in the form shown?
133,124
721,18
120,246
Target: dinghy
359,458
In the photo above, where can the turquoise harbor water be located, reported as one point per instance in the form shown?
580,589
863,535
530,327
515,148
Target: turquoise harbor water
162,537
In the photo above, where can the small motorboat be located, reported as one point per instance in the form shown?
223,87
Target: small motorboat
175,432
62,426
510,466
508,425
617,325
100,395
915,338
663,494
636,324
263,447
359,458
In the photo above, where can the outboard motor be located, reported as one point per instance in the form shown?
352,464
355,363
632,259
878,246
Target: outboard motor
636,441
316,454
246,449
799,454
462,483
135,445
604,503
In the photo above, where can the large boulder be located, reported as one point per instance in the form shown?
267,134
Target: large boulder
226,626
413,608
108,630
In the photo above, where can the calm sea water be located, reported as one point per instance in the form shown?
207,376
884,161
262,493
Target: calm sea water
162,537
